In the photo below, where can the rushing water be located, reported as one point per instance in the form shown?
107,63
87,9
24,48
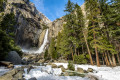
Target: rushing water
41,49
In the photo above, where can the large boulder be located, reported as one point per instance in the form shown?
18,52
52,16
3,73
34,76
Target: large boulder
14,57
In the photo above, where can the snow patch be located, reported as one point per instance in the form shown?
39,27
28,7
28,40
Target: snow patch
3,70
103,72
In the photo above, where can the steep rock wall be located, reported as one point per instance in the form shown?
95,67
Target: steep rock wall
29,23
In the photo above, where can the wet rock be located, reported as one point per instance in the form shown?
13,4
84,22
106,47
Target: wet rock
32,78
72,73
91,77
29,68
6,64
19,75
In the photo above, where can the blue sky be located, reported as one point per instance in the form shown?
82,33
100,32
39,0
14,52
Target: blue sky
53,9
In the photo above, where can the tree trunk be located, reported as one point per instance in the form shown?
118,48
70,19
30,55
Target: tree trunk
103,59
91,60
72,54
110,59
82,49
106,59
118,58
97,56
75,51
114,61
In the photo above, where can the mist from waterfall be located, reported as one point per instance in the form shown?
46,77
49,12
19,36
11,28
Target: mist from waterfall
42,48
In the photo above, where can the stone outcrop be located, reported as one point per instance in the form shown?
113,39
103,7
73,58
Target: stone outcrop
29,22
6,64
14,57
55,27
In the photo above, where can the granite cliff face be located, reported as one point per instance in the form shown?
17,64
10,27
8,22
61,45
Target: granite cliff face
29,23
55,27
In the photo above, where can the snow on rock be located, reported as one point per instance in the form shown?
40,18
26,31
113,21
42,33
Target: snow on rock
3,70
103,72
49,73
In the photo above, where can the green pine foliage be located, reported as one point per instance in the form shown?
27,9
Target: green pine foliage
46,55
1,5
71,66
52,50
80,59
7,35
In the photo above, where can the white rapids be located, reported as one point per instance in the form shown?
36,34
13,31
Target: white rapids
42,48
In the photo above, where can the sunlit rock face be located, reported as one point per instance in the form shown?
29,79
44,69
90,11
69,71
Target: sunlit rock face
55,27
29,23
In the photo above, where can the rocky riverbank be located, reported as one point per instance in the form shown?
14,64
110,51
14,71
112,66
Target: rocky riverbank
35,64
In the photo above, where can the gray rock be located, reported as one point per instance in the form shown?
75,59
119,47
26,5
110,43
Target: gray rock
80,70
29,68
90,70
63,69
54,65
6,64
14,57
9,75
32,78
6,77
91,77
19,75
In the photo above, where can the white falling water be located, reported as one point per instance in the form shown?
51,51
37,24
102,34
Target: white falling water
41,49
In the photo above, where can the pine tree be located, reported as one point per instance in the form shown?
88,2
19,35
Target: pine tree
7,42
52,50
92,7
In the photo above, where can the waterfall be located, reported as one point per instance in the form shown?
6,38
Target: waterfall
41,49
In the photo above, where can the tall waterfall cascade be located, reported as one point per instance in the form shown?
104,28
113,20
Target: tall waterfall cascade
41,49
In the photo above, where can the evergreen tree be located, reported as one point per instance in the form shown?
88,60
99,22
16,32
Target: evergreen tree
92,7
6,36
52,50
46,55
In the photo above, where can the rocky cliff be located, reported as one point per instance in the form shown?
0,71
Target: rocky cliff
29,22
55,27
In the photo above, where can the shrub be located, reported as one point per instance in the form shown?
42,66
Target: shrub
80,59
71,66
46,55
